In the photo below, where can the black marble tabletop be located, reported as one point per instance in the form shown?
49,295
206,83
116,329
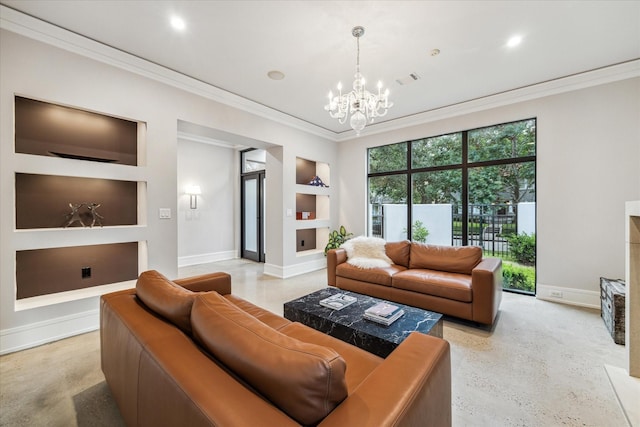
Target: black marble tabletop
349,325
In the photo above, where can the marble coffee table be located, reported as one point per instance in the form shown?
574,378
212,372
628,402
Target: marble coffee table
348,324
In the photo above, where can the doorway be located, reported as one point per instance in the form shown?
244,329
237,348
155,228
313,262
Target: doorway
253,187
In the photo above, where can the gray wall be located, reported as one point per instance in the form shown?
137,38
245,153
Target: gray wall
206,234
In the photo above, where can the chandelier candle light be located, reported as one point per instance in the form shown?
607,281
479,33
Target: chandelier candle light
362,105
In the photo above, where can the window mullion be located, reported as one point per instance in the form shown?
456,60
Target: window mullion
465,190
409,191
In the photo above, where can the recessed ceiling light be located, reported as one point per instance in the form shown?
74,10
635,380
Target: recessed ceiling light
178,23
275,75
514,41
435,52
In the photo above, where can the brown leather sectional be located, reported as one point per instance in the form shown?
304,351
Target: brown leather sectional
455,281
189,353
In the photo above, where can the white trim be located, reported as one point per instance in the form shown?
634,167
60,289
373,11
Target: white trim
68,296
285,272
33,28
571,296
38,333
206,258
273,270
206,140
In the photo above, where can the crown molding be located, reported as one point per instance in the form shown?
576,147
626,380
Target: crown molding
36,29
600,76
33,28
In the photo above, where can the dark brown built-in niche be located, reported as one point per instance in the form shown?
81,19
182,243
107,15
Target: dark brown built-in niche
305,239
42,201
306,203
48,129
49,271
305,171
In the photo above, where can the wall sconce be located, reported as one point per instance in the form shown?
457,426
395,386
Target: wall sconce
193,192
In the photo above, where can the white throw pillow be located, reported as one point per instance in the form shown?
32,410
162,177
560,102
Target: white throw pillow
366,252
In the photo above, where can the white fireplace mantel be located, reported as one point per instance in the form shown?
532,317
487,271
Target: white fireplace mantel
632,312
626,382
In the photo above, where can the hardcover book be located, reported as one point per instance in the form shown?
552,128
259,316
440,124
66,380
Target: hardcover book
338,301
382,309
383,313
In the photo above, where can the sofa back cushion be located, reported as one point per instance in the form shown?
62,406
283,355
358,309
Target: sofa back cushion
399,252
171,301
454,259
305,380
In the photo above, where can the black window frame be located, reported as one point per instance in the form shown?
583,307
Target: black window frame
465,166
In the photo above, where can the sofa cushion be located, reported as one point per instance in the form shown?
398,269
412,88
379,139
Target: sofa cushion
171,301
454,259
265,316
399,252
379,276
360,362
306,381
366,252
453,286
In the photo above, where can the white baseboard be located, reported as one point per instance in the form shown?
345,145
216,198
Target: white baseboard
35,334
206,258
571,296
284,272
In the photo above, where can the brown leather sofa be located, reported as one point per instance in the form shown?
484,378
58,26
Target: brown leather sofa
456,281
189,353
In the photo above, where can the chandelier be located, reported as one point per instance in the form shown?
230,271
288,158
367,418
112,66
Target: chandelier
362,105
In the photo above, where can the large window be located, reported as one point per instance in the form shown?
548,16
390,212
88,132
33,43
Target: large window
475,187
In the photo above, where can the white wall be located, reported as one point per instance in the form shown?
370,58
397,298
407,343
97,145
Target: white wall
39,70
436,218
588,165
206,234
526,218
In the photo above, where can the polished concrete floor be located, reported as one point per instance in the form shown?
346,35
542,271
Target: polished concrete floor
541,365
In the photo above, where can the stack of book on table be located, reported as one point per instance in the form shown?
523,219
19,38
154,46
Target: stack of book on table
383,313
338,301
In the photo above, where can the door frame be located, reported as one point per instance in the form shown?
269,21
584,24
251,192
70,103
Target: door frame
259,255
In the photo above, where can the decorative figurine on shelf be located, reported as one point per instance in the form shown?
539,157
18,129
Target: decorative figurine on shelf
74,215
95,216
317,182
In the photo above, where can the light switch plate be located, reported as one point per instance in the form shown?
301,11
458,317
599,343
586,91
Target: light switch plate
164,213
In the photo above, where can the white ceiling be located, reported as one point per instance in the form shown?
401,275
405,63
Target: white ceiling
233,44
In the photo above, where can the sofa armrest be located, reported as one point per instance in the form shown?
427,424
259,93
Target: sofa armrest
486,284
219,282
411,387
335,257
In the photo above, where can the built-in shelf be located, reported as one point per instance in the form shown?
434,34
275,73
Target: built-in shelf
313,207
68,158
67,296
309,252
53,270
49,201
312,189
315,223
46,129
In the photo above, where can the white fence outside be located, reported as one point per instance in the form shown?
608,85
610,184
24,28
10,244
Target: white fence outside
437,219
